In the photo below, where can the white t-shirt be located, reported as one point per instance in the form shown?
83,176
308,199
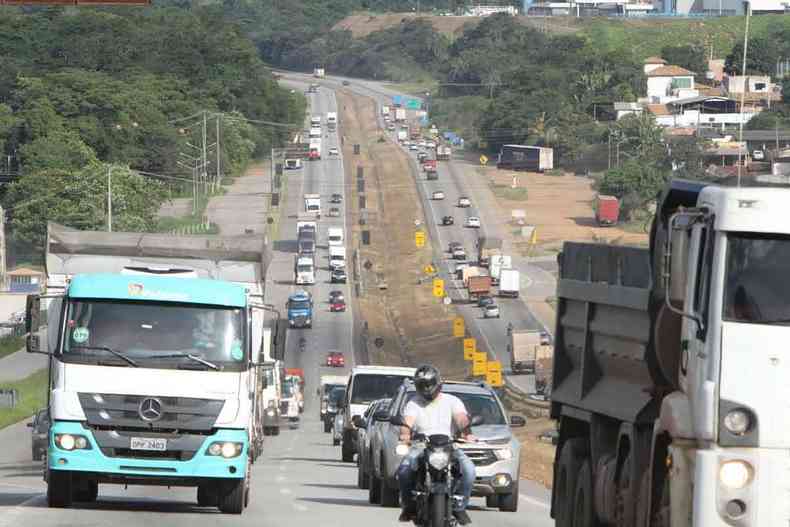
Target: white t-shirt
434,417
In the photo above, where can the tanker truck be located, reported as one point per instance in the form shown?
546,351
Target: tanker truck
670,381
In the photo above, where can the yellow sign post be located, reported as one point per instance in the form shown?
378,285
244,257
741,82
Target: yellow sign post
428,269
479,365
419,238
459,330
483,160
470,346
438,287
494,373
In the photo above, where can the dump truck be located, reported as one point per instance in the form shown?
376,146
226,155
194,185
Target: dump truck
488,246
478,286
607,210
154,343
670,374
522,348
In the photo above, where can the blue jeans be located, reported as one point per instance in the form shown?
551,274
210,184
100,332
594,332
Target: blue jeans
408,469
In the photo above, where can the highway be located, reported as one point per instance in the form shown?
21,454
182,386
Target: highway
299,480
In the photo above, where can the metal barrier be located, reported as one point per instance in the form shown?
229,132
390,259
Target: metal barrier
8,398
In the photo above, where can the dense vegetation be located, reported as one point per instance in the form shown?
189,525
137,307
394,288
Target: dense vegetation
84,88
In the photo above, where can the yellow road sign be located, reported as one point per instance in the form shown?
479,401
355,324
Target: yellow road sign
479,367
534,238
494,366
494,379
483,160
428,269
438,287
481,356
419,238
458,327
470,346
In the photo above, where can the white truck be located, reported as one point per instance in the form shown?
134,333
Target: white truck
509,283
497,263
523,347
312,205
319,73
337,257
271,393
315,121
304,269
335,236
154,345
400,115
403,135
315,132
331,120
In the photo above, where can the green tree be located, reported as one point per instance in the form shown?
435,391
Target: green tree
62,150
686,56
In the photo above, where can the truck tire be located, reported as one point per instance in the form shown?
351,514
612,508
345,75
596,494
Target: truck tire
374,489
347,451
390,497
231,496
570,462
84,491
59,485
509,502
327,427
492,501
583,510
624,496
661,516
207,496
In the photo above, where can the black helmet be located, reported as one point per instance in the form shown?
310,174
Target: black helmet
428,382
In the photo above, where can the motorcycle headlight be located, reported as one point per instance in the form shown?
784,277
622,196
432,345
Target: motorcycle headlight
504,453
402,449
439,460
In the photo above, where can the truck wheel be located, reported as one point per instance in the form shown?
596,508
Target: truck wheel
492,501
624,513
570,462
327,427
231,496
347,452
374,489
509,502
84,491
207,496
59,487
583,513
389,497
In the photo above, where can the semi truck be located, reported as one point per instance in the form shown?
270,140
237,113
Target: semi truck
271,388
153,342
523,157
304,269
509,283
300,309
523,347
669,371
488,246
478,286
312,205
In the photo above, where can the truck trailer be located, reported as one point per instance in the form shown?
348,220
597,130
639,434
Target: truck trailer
523,348
523,157
669,371
155,378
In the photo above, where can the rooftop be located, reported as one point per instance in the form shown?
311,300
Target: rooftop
655,60
670,71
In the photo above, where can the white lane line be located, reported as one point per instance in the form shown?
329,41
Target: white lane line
285,491
280,478
535,502
300,507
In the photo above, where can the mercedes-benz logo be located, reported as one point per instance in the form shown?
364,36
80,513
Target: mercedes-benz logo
150,409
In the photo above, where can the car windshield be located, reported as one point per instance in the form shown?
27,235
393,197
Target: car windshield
299,304
484,405
143,330
755,291
336,396
369,387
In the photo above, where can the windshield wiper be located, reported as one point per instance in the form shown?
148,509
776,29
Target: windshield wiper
109,350
188,356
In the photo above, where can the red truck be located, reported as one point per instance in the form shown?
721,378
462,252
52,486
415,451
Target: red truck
607,211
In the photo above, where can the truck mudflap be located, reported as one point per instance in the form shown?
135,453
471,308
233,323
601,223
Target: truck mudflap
197,464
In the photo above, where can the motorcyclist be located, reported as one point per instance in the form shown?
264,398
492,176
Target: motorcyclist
433,412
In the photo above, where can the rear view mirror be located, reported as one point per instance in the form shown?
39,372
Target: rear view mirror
517,421
33,314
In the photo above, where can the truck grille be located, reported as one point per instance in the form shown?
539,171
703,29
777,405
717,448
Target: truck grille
111,411
167,455
481,458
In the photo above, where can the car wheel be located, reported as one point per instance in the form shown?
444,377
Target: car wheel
509,502
374,489
583,511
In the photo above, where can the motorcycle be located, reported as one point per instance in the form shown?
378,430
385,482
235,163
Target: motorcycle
435,479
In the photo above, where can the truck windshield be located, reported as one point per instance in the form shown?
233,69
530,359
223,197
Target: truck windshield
756,291
304,268
368,388
144,330
299,304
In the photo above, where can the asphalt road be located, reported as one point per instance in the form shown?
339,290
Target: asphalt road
299,480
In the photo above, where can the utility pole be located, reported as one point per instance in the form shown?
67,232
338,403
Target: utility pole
2,251
204,161
109,198
217,181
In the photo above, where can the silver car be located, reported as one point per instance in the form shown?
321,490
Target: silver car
365,424
496,454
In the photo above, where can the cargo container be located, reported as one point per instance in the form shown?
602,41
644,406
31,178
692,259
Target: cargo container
478,286
509,282
522,157
607,210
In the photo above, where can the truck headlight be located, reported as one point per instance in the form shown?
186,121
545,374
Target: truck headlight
737,421
439,460
504,454
226,449
71,442
735,474
270,412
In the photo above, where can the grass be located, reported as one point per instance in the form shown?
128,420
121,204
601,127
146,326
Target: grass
509,193
9,345
416,88
196,219
31,397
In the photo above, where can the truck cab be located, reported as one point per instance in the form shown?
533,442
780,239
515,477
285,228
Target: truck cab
337,257
304,270
312,205
300,310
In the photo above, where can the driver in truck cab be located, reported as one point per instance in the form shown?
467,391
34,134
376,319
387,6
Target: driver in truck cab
433,412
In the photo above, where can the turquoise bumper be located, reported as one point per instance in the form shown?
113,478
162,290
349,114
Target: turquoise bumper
93,460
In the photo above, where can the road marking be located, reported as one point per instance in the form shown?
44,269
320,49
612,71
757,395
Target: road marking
300,507
534,501
281,478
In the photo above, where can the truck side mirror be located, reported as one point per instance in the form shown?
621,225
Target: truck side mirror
33,323
678,265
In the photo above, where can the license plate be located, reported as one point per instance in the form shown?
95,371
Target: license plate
148,443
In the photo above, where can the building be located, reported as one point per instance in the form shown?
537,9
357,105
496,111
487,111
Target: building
488,10
24,280
587,8
668,83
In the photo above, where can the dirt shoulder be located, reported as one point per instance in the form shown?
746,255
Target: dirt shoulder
413,325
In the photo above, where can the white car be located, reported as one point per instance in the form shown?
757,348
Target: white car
463,201
491,311
473,221
333,151
423,144
413,147
758,155
439,194
430,144
459,254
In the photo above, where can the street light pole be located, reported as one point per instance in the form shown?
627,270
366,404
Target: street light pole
217,181
109,198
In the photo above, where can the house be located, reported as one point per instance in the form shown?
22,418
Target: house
667,83
652,63
24,280
702,111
